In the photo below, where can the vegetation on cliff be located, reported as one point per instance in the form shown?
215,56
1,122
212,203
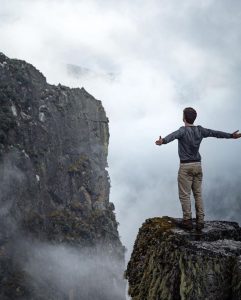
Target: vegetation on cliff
54,192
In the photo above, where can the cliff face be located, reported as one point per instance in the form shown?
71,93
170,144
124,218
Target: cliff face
171,263
54,189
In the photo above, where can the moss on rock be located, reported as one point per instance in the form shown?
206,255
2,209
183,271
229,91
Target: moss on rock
168,262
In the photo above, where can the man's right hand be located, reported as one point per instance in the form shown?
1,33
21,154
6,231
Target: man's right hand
236,134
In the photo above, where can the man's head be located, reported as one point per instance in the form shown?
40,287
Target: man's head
189,115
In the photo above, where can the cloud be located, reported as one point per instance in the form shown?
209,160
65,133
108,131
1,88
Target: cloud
70,272
164,55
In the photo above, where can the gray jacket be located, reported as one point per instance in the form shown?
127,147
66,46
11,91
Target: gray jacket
189,140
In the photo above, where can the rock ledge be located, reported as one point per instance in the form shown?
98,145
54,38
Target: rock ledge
168,262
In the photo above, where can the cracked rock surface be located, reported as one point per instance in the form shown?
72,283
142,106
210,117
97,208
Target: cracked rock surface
54,186
169,262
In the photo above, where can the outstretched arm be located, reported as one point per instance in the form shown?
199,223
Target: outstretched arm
169,138
219,134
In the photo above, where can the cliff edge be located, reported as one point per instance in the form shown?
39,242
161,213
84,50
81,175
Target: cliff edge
168,262
58,233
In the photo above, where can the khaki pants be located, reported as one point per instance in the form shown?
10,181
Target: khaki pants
190,178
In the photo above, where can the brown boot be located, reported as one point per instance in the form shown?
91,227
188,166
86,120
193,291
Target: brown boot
187,224
199,226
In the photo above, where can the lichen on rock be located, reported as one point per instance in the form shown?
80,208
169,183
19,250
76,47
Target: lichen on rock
168,262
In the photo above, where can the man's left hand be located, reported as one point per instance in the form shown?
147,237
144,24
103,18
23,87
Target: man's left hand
159,142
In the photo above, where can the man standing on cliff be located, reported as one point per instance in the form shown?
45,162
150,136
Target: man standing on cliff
190,170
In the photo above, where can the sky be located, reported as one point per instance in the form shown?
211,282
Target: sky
147,61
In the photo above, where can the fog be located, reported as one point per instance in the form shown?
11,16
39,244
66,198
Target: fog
148,60
56,270
67,272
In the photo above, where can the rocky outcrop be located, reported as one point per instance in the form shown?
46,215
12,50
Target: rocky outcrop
54,188
171,263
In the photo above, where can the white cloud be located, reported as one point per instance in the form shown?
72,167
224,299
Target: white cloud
165,55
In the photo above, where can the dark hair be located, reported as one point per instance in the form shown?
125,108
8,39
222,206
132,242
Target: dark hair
190,114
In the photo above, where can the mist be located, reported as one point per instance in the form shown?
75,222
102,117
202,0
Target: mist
162,56
49,269
70,271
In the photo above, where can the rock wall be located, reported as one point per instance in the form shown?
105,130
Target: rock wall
169,263
54,186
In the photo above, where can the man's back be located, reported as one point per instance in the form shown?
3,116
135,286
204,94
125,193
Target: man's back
189,140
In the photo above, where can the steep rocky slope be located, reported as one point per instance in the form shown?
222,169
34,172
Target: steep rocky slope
54,190
171,263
